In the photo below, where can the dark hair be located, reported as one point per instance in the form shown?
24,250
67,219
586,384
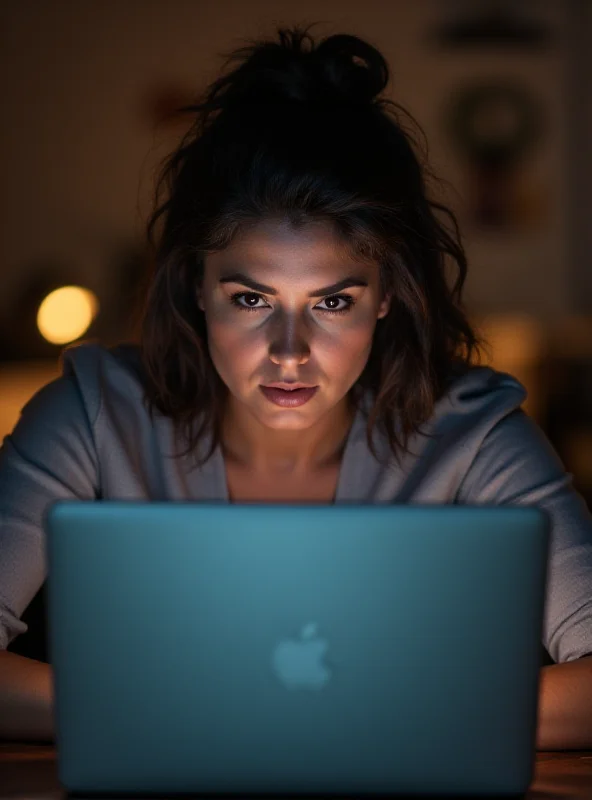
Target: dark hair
298,131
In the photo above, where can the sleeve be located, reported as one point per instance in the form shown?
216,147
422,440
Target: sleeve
49,456
516,464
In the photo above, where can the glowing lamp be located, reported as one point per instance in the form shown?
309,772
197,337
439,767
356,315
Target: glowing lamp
66,314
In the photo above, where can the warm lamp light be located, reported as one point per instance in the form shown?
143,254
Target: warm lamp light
66,314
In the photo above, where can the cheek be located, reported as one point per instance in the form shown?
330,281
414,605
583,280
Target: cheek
233,347
346,345
356,332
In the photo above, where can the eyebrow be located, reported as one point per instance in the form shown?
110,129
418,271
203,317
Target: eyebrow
244,280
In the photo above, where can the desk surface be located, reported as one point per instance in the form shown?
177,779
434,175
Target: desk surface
29,771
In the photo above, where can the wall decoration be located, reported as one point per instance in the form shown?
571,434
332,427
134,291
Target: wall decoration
495,125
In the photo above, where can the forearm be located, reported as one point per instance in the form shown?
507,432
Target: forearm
26,699
565,706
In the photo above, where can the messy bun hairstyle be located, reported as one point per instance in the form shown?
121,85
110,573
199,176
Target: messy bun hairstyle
298,130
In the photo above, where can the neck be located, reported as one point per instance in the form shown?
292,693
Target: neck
251,445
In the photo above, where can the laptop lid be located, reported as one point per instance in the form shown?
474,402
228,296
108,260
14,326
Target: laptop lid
290,649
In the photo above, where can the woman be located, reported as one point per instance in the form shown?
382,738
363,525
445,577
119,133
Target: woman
300,342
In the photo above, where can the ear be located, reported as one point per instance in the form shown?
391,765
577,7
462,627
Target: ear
384,307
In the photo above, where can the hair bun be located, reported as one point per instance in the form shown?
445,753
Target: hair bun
341,69
353,67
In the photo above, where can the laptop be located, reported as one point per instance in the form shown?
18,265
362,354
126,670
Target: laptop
295,649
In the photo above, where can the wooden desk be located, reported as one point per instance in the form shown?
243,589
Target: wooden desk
29,771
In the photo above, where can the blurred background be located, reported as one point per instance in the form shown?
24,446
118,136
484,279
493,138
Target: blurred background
502,90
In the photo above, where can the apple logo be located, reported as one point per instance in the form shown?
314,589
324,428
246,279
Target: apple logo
298,662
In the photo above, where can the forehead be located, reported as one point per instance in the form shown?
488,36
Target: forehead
274,246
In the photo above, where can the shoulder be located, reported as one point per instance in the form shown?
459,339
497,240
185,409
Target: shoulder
480,393
476,400
509,454
102,373
89,359
463,430
91,374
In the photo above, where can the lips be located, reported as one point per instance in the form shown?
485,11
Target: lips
296,395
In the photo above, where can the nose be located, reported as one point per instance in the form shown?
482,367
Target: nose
289,343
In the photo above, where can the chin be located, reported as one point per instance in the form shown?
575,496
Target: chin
286,419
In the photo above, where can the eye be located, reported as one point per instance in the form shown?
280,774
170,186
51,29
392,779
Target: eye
247,306
345,298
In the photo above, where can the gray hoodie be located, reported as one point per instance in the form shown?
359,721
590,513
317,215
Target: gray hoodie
88,435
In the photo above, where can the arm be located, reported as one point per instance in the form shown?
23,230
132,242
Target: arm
517,465
49,456
26,699
565,706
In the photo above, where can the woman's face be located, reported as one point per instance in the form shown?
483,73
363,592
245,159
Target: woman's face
270,301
